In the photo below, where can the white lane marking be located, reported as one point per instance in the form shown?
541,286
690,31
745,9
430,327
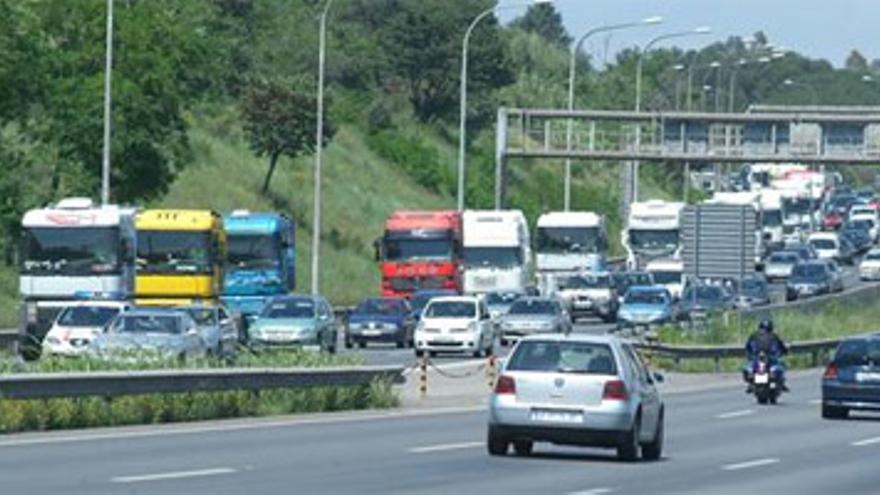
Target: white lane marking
867,441
736,414
594,491
750,464
230,425
174,475
445,447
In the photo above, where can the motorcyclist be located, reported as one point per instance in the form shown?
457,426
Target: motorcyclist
767,341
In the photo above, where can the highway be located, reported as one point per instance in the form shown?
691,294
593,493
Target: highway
718,442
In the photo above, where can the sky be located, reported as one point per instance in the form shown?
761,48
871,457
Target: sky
827,29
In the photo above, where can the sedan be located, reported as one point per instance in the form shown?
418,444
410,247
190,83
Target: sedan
869,268
645,306
753,291
295,322
852,379
699,301
532,315
217,327
77,326
150,334
380,319
576,390
807,280
778,265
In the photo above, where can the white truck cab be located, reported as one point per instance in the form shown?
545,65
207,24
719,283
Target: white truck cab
72,250
652,231
570,241
772,218
497,251
670,274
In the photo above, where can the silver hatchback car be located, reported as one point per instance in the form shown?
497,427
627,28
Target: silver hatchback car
576,390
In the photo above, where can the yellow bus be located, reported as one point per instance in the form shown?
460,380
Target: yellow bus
181,256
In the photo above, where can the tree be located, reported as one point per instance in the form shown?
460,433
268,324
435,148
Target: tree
856,61
280,121
543,20
426,38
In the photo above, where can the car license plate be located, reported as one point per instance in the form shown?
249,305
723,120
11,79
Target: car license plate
551,416
863,376
762,379
372,333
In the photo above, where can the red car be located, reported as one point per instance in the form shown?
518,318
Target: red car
832,220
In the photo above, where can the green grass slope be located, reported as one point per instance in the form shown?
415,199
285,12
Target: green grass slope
359,191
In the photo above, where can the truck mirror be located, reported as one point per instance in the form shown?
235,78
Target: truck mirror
377,248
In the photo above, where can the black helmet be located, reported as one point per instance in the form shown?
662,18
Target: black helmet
766,325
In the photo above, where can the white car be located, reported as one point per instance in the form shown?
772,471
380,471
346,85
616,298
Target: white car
869,268
77,326
826,244
455,324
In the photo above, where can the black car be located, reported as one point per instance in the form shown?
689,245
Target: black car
852,379
698,301
859,237
753,291
807,280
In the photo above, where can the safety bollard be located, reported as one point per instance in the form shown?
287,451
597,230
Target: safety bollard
491,371
423,377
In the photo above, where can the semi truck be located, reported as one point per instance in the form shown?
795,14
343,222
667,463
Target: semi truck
653,231
570,241
181,257
71,250
420,250
261,260
497,251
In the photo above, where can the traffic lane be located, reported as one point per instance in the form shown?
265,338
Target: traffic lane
427,455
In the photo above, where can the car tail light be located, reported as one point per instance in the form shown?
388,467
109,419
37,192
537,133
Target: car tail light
505,385
615,390
830,372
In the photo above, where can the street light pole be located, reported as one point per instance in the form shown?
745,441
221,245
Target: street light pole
462,109
575,49
319,143
633,170
108,67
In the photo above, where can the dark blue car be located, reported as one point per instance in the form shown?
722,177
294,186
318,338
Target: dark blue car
380,319
852,379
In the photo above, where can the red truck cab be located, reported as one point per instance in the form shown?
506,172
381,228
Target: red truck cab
420,250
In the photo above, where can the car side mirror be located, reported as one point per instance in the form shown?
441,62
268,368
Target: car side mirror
658,377
192,331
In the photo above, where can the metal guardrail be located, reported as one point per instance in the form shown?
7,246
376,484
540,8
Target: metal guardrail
120,383
816,348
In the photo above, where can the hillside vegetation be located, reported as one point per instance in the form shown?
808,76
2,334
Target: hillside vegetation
208,93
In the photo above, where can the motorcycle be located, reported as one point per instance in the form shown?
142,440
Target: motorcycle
765,384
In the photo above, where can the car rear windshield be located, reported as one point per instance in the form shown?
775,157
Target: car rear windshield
380,307
532,307
566,357
290,308
148,324
783,258
858,352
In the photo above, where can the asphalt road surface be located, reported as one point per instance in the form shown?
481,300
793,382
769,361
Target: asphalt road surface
718,442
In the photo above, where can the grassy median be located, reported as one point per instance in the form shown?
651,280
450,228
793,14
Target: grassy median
51,414
838,319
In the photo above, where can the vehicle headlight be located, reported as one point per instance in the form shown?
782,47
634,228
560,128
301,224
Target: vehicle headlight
472,326
52,340
389,326
308,331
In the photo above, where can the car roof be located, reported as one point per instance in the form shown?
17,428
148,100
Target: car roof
100,304
296,297
155,312
470,299
572,337
431,292
648,288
